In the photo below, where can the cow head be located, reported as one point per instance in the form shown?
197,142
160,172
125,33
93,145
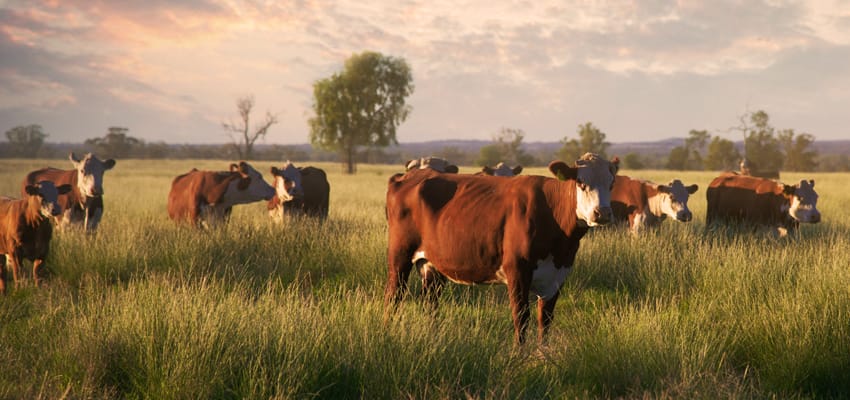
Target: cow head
674,200
90,171
48,194
593,178
287,182
804,201
502,170
435,163
250,186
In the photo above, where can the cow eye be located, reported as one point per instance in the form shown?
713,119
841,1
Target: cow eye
581,185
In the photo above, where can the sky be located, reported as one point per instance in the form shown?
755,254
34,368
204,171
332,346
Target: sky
172,70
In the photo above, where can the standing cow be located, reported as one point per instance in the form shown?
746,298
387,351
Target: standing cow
299,191
645,204
83,205
523,232
205,198
501,169
25,228
761,202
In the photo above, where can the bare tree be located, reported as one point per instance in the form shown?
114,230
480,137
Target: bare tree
240,132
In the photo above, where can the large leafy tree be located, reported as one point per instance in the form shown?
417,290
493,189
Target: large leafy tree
361,106
590,139
761,147
798,153
116,143
26,140
506,147
689,155
722,155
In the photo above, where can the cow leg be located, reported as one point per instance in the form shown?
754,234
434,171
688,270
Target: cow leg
36,264
432,285
518,287
400,265
13,261
3,274
545,315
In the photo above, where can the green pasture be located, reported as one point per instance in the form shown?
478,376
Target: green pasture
150,310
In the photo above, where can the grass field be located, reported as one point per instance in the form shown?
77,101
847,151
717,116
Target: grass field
149,310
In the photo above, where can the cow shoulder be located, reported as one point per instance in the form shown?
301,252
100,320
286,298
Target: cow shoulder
436,192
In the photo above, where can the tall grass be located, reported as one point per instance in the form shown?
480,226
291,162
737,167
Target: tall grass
148,309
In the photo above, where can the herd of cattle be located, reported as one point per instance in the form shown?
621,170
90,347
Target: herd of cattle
495,226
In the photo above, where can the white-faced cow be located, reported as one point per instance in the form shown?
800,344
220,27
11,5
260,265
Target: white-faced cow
761,202
645,204
205,198
523,232
434,163
25,228
501,169
83,205
299,191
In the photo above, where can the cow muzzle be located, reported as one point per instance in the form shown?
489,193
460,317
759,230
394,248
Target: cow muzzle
603,215
684,216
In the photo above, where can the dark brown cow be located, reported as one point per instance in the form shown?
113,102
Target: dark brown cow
761,202
501,169
523,232
434,163
83,205
25,228
645,204
299,191
205,198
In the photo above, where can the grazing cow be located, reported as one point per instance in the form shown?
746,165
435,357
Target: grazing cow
646,204
83,205
25,228
435,163
523,232
299,191
761,202
205,198
501,170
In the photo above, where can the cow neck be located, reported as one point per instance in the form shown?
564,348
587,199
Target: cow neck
81,197
32,213
219,189
654,201
561,198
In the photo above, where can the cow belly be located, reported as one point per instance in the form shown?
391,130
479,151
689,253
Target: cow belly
457,276
548,278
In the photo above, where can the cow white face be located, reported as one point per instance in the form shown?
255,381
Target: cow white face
250,187
502,170
674,200
90,171
594,178
287,182
48,194
804,201
435,163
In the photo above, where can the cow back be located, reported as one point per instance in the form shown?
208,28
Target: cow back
316,191
746,199
73,200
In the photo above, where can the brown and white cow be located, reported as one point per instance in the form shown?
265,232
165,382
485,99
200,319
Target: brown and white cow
523,232
83,205
435,163
646,204
206,198
501,169
761,202
25,228
299,191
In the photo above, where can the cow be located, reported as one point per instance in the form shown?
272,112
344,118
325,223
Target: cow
435,163
523,232
646,204
761,202
501,169
299,191
83,205
206,198
26,230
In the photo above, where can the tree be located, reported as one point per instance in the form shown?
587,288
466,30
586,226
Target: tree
761,147
591,140
633,160
689,155
722,155
116,143
241,133
506,147
361,106
797,148
26,140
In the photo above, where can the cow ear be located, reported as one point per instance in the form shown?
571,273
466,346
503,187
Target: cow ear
664,188
615,165
409,165
812,182
64,189
275,171
234,168
244,183
788,189
693,188
517,169
32,190
452,169
487,170
108,164
562,171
